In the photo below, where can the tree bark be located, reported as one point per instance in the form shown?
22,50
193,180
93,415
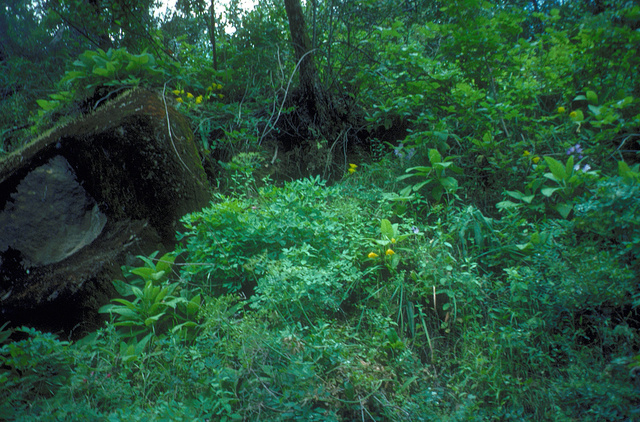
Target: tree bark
301,45
212,34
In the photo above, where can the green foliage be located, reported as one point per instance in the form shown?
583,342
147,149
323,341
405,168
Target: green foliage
372,297
154,306
568,180
108,72
610,214
434,175
231,244
111,68
34,368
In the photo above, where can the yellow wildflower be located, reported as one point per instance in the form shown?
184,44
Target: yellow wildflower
179,99
352,168
389,252
176,92
198,99
189,95
393,240
372,255
219,86
526,153
220,95
561,110
573,114
210,89
535,160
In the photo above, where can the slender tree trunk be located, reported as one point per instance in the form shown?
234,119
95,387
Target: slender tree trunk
212,34
317,111
301,45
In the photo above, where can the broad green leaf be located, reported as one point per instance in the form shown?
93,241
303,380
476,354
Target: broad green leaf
569,166
419,186
556,167
552,177
125,312
443,165
150,292
100,71
145,272
47,105
193,306
165,262
405,176
106,308
419,169
434,156
549,191
152,319
126,303
157,275
507,204
592,97
449,183
564,209
515,194
386,228
142,343
124,289
174,302
137,292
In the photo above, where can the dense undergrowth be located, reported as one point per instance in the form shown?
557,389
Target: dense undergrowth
480,264
315,302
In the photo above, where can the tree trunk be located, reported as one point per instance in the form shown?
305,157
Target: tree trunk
212,34
301,46
321,122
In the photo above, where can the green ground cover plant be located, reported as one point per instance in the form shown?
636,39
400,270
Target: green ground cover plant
477,259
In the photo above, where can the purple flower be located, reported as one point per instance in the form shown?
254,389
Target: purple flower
415,230
577,148
403,153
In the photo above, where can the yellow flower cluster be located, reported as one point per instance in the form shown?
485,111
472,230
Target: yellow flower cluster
179,93
388,252
214,87
352,168
534,159
561,110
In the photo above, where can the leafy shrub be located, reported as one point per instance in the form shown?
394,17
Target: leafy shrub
610,213
155,305
232,244
109,72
